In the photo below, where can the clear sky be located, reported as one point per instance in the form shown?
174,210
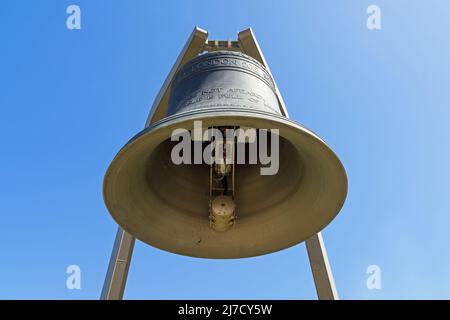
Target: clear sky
70,99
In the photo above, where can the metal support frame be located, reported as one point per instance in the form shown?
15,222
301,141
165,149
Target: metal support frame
116,277
119,264
321,269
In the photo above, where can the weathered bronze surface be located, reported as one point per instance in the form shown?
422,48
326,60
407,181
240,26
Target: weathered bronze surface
166,205
223,79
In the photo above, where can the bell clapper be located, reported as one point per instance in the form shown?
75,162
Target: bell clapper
222,208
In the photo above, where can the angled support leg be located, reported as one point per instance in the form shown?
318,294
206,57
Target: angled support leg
250,46
321,270
194,45
119,264
116,277
320,267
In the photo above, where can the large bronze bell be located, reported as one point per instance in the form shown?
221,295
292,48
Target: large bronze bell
169,206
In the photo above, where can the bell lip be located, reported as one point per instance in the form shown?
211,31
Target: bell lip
225,113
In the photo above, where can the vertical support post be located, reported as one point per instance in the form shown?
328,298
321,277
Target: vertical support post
249,46
321,270
320,267
119,264
194,45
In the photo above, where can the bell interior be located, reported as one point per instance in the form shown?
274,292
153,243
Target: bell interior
167,205
184,188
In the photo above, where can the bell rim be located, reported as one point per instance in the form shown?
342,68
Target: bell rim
223,113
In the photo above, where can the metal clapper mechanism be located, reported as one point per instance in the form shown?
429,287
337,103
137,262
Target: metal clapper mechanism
222,207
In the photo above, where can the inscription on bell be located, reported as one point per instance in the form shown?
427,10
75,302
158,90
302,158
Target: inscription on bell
226,62
221,93
223,80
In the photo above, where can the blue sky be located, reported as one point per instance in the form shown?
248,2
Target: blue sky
70,99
